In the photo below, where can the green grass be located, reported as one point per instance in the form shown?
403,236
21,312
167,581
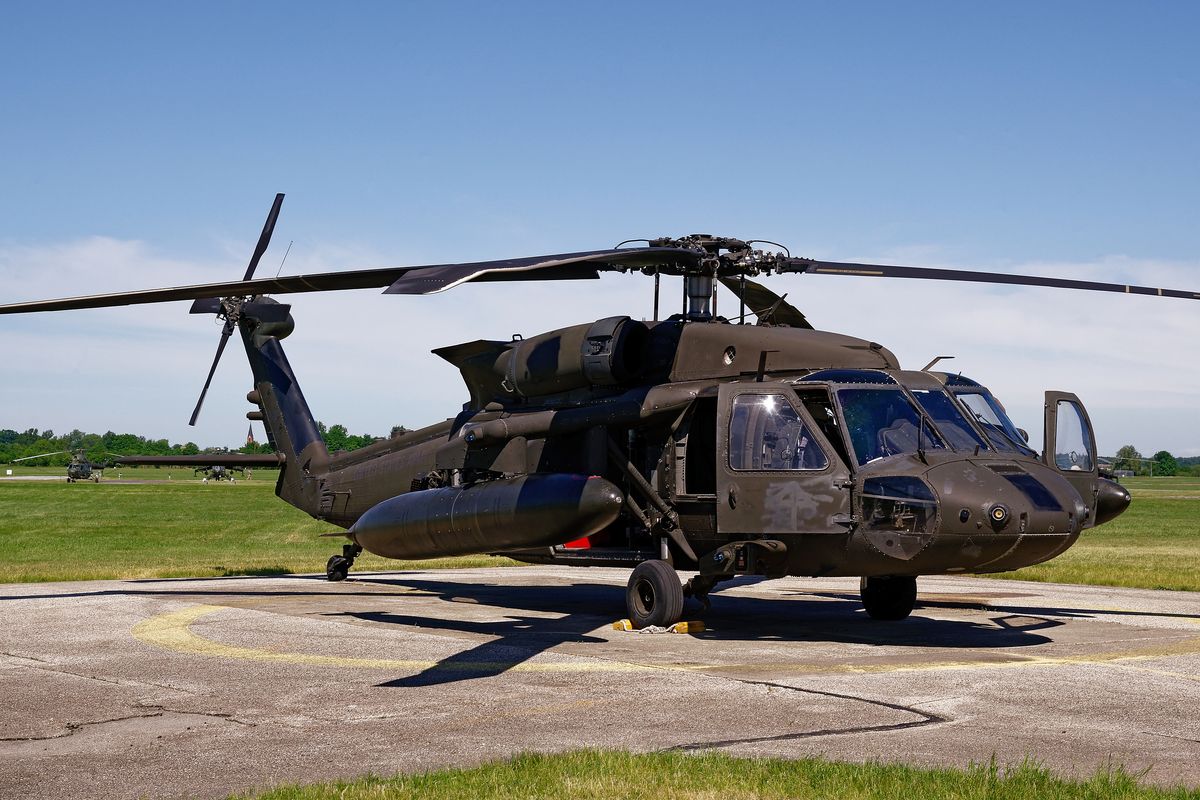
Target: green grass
264,474
589,774
1155,544
51,531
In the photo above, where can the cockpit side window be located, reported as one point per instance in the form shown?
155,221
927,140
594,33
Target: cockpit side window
949,419
882,422
766,433
1072,448
820,407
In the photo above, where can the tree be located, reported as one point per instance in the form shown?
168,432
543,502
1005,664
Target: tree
1127,458
1164,463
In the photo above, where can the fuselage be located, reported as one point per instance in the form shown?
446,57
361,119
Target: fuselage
710,434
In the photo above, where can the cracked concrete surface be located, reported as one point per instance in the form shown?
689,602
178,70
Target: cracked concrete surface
209,686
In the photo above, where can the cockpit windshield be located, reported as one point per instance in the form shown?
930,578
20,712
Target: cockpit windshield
1000,430
949,419
882,422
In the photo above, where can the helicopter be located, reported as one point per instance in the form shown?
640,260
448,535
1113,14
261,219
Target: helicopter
214,466
79,469
692,442
215,473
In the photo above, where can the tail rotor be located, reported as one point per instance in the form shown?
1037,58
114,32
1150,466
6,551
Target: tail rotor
233,308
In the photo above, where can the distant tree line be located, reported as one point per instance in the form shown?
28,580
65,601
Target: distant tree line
1162,463
99,447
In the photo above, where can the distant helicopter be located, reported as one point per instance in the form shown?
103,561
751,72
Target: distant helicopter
693,442
214,466
215,473
80,469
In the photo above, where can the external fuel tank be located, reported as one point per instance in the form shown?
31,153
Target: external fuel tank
486,517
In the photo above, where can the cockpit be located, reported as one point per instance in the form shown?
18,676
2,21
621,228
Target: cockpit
884,417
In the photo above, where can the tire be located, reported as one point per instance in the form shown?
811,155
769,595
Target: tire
654,595
890,597
337,568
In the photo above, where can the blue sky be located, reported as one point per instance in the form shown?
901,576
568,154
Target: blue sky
143,144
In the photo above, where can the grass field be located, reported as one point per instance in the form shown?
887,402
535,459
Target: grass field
1155,544
52,531
590,774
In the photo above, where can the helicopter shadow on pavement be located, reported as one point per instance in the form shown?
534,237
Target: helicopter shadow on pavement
519,637
968,602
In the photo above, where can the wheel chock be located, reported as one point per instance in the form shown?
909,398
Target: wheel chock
692,626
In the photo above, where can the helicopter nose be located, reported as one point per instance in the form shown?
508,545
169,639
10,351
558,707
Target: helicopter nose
1005,498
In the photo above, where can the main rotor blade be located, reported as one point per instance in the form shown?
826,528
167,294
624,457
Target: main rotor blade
203,460
765,303
226,332
889,271
563,266
287,284
40,455
264,238
551,267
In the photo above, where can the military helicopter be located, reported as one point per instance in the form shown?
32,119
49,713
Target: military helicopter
79,469
693,442
214,466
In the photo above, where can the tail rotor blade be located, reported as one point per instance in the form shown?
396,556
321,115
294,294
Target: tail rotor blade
264,238
226,332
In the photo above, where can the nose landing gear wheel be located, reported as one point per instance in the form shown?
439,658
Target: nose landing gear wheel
654,595
890,597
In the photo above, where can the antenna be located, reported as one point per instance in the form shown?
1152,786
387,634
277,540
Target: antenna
285,255
931,363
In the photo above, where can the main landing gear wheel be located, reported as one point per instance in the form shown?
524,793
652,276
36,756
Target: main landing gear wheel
338,567
654,595
890,597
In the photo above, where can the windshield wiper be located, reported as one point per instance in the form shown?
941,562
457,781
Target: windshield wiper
988,427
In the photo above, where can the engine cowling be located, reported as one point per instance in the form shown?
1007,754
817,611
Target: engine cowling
610,352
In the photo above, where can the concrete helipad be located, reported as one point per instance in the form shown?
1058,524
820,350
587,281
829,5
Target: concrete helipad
204,687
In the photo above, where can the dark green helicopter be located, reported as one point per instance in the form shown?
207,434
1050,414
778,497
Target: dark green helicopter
693,442
79,468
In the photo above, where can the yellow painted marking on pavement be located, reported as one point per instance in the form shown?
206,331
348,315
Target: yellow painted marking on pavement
172,631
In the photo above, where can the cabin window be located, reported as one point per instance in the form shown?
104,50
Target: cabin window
767,433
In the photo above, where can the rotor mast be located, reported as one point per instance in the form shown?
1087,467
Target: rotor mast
717,256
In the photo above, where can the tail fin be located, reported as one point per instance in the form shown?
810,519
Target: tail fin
290,426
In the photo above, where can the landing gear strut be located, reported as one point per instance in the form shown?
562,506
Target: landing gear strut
699,587
338,567
890,597
654,595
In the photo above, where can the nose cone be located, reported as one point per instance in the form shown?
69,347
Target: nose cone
1111,501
